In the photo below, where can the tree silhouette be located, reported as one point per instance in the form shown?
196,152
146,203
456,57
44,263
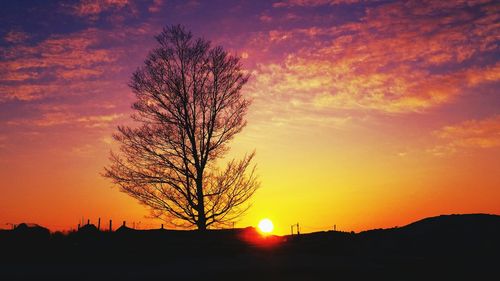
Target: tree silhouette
190,106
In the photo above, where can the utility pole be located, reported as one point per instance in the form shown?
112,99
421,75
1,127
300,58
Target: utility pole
293,226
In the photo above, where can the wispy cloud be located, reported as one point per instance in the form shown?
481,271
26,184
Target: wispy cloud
30,72
81,62
155,6
3,140
473,133
94,121
16,36
312,3
483,133
93,8
57,118
401,57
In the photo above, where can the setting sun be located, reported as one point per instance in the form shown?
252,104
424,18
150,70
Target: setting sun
266,226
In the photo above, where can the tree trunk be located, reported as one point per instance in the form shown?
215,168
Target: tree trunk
202,220
202,224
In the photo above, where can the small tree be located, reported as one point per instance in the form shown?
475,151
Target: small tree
190,106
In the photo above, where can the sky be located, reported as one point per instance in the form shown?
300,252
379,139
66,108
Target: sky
365,114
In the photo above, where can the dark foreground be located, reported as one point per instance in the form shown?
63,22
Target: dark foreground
455,247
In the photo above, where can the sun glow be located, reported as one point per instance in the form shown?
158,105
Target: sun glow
266,226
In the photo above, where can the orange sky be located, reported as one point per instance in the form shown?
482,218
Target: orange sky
364,115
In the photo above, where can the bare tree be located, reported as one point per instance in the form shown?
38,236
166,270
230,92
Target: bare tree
190,106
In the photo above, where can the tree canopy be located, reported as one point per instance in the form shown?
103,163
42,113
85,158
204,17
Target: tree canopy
189,106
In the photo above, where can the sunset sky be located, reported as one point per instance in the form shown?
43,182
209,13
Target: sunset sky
366,114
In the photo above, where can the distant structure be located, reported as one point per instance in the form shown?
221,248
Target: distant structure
32,230
85,225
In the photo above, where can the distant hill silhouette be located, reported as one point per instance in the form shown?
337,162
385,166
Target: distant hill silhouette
449,247
466,223
455,233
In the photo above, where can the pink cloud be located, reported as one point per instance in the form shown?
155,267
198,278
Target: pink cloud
312,3
115,12
95,7
63,117
25,92
156,6
95,121
16,37
265,18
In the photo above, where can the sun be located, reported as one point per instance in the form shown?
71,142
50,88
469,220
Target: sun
266,226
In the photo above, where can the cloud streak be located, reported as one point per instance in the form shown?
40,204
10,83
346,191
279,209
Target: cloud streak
16,37
312,3
58,118
483,133
93,8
